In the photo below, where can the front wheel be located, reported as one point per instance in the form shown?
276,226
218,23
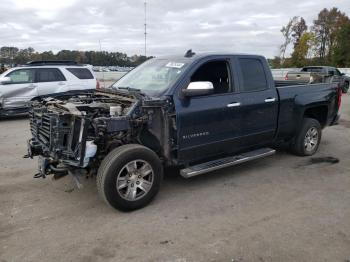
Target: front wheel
308,138
129,177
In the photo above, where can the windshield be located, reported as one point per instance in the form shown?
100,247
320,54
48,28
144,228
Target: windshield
152,77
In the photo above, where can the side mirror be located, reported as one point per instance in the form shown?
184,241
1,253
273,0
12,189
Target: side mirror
198,89
342,74
5,80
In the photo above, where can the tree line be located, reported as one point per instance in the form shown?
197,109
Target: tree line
325,42
14,56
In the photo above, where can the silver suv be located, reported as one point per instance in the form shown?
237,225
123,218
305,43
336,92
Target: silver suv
19,85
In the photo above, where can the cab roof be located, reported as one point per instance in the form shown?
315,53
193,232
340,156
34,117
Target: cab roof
198,56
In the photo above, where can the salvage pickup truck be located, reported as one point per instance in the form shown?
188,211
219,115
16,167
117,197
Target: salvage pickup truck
199,112
320,74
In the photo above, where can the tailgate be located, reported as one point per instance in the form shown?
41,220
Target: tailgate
299,76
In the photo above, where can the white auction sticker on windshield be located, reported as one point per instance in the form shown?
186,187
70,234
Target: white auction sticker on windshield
174,65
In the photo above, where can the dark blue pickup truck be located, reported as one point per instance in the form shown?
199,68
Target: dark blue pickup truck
197,112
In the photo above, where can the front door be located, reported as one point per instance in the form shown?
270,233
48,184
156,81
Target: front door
208,125
20,90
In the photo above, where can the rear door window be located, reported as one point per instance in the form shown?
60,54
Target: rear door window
253,75
81,73
49,75
21,76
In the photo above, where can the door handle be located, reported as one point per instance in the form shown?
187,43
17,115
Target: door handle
31,86
233,104
61,83
270,99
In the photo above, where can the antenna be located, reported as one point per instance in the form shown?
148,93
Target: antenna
145,3
103,72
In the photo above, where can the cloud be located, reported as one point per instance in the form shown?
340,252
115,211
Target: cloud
173,26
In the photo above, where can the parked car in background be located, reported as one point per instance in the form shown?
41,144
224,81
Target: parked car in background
320,74
19,85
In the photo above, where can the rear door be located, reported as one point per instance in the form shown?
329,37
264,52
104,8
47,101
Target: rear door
259,101
50,80
22,88
209,125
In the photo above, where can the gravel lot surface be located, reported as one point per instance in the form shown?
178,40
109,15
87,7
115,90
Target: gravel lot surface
281,208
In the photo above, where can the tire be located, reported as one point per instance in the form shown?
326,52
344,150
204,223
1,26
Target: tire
136,170
308,138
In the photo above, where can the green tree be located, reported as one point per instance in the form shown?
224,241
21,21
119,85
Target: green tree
301,51
7,54
341,55
275,62
47,55
326,28
10,55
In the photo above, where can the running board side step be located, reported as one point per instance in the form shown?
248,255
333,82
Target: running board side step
225,162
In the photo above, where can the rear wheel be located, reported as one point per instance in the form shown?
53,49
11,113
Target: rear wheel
308,138
129,177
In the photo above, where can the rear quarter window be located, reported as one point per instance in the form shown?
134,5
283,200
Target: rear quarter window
81,73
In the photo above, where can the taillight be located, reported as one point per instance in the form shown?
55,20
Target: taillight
286,77
98,84
340,93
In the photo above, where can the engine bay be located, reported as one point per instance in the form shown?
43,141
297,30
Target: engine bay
95,104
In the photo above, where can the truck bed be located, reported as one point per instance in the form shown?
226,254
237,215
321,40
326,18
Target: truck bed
293,98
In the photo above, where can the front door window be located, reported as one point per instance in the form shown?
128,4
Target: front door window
21,76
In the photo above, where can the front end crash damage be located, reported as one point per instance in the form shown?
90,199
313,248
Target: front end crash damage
72,134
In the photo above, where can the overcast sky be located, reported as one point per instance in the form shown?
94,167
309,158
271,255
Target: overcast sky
249,26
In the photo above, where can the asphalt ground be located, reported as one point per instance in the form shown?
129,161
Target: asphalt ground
281,208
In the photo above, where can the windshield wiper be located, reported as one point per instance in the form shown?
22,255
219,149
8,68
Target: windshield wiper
129,89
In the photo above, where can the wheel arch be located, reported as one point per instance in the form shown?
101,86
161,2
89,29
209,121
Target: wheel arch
320,113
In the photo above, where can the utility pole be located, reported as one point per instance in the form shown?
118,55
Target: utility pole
145,29
103,72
